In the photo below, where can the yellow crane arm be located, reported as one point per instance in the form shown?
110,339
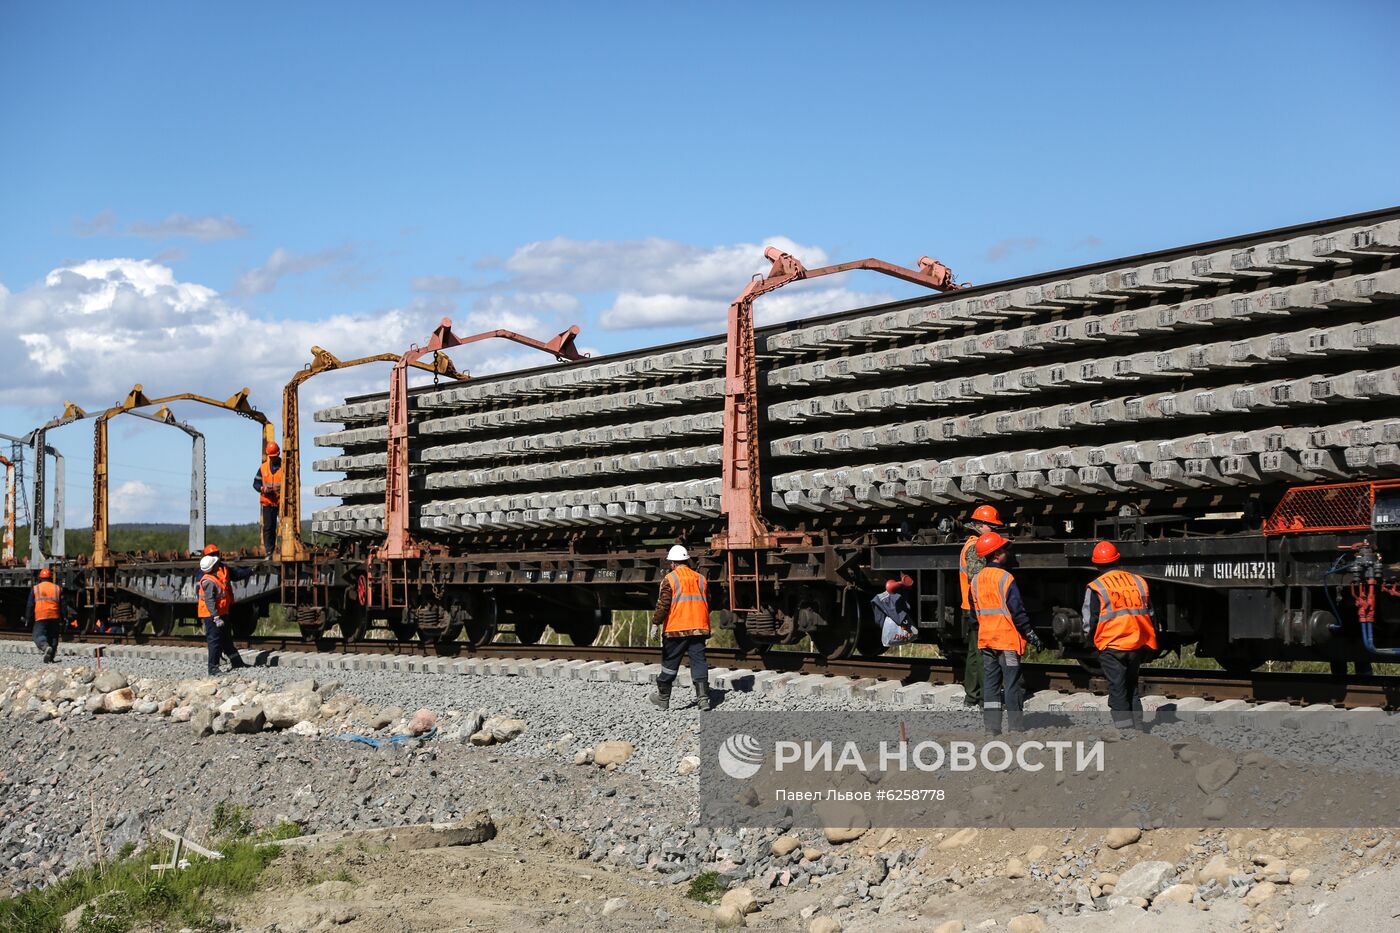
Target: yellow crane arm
290,547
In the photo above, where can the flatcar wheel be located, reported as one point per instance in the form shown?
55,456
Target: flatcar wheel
1238,666
744,641
163,622
479,620
403,631
834,642
529,632
354,623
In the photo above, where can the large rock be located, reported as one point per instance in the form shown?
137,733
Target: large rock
289,707
784,845
424,720
181,713
843,822
727,918
741,899
1261,892
959,839
1122,836
1175,894
386,717
1217,870
118,701
107,681
247,719
612,753
202,721
1025,923
824,925
1210,778
1144,879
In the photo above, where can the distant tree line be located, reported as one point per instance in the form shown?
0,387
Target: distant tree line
154,537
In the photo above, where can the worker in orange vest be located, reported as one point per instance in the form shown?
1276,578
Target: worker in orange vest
268,483
683,611
214,605
984,519
46,610
1003,631
1118,620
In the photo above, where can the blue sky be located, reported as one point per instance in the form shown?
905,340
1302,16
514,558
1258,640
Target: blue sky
192,194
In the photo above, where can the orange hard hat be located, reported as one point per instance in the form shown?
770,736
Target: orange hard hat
1105,553
210,549
986,513
45,574
990,542
272,449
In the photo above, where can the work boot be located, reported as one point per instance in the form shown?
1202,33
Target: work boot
661,699
991,720
702,695
50,656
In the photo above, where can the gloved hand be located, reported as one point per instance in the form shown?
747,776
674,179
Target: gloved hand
1034,641
218,621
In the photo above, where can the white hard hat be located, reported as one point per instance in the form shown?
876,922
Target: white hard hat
678,552
208,563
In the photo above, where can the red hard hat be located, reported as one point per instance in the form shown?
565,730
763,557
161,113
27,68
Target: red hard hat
990,542
45,574
1105,553
210,549
272,449
986,513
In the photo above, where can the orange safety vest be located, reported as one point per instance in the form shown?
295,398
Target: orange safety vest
963,580
46,597
271,485
1125,620
224,602
995,628
690,608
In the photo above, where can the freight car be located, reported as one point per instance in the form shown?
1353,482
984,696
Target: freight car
1168,401
1174,401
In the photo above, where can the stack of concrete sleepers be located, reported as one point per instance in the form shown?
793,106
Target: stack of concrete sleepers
1236,367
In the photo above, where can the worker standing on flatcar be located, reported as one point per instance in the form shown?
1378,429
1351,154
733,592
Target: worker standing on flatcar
1003,631
46,610
214,593
984,519
1118,620
268,483
683,611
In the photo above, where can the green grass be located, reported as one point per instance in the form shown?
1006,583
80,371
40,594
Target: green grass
706,887
125,894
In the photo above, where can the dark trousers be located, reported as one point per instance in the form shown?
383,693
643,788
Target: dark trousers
46,634
220,641
1001,672
1120,669
673,650
269,529
972,670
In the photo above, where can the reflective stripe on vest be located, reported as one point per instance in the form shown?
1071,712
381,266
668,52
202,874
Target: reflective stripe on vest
963,580
690,609
271,484
1125,620
46,601
995,627
223,603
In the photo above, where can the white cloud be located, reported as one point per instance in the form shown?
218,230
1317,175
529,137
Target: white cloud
89,330
282,263
206,229
657,282
133,501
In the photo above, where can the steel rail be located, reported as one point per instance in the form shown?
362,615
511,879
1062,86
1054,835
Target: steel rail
1296,689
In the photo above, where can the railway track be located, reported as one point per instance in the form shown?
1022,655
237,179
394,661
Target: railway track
1293,689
